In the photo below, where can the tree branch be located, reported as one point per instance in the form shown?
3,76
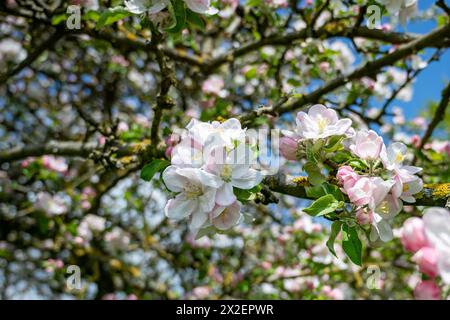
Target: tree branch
434,38
437,195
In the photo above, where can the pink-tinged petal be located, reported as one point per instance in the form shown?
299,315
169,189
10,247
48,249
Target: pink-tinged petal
174,181
437,229
225,195
413,235
228,218
427,259
288,148
331,115
180,207
316,110
342,126
427,290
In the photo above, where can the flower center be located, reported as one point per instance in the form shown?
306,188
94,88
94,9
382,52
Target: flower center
226,173
322,123
399,157
384,207
405,187
192,191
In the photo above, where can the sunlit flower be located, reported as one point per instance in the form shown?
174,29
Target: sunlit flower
320,122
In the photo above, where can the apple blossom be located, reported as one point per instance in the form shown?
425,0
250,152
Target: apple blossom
320,122
427,258
347,177
367,145
57,164
234,169
52,205
90,224
197,191
223,218
213,85
382,217
394,155
369,191
427,290
413,235
437,229
154,6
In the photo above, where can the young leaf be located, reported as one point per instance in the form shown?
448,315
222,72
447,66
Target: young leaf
112,15
335,229
314,175
351,244
178,11
324,189
334,143
322,206
195,20
152,168
243,195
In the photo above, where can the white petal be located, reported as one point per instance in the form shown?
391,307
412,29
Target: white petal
180,207
225,195
385,231
207,200
249,180
199,6
198,219
173,180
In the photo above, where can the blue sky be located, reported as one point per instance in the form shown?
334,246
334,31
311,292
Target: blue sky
430,82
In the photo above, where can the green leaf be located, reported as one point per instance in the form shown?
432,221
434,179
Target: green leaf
195,20
314,175
351,244
342,156
152,168
335,229
322,206
112,15
178,11
324,189
243,195
59,18
334,143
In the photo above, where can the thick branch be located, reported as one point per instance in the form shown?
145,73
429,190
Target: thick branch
437,195
432,39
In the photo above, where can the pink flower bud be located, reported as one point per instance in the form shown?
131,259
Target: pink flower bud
427,290
324,66
364,217
288,148
427,258
347,177
413,235
415,140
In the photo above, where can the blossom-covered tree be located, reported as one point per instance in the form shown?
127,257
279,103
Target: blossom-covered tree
222,149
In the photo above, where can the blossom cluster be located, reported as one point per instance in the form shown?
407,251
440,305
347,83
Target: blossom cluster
428,239
375,177
155,6
209,165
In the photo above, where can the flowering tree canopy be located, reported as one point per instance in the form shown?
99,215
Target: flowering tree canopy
223,149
